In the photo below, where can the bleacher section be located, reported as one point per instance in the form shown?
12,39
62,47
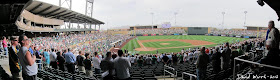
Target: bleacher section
51,73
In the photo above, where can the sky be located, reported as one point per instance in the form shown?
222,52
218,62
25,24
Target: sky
191,13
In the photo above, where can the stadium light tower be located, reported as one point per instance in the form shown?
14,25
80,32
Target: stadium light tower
89,10
69,6
175,14
223,13
245,12
152,20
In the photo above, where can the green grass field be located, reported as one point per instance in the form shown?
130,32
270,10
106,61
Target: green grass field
170,44
215,39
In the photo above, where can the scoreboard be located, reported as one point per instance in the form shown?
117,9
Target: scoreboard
197,30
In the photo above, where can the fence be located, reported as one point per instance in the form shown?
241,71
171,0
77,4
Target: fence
250,62
170,72
189,74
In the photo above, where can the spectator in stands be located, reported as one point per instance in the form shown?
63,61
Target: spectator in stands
70,61
122,66
154,59
174,59
87,63
181,58
31,49
80,58
272,55
132,60
60,60
27,61
226,56
165,59
216,60
196,54
170,59
47,58
13,59
5,45
107,66
114,56
53,59
274,36
96,63
140,61
234,53
240,51
149,60
191,57
38,56
201,64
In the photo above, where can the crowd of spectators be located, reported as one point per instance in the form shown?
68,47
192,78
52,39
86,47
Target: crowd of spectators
55,53
236,32
158,31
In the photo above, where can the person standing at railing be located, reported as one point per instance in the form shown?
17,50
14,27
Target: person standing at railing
122,65
107,66
201,64
70,61
216,60
272,45
60,60
13,59
80,58
29,66
226,56
96,60
53,59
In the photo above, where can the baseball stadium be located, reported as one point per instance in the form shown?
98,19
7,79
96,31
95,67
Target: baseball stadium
113,40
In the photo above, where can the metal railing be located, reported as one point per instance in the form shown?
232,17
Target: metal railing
251,62
191,75
40,63
172,70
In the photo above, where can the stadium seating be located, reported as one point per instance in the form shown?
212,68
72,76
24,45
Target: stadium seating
51,73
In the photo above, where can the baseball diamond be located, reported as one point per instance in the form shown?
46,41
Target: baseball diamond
174,43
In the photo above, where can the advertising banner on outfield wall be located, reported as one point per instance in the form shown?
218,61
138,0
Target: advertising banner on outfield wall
145,34
176,34
160,34
238,36
185,34
246,36
153,34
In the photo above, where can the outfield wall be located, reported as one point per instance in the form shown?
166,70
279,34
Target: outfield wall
189,34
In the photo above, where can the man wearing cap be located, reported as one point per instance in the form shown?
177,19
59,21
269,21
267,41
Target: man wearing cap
13,59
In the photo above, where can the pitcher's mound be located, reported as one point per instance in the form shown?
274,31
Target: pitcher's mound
164,43
145,49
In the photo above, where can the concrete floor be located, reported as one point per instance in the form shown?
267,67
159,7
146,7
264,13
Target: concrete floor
4,62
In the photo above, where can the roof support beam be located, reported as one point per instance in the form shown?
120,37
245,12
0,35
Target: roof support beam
53,11
36,7
59,13
44,10
73,15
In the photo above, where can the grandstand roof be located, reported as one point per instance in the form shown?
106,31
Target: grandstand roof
57,12
10,10
274,4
